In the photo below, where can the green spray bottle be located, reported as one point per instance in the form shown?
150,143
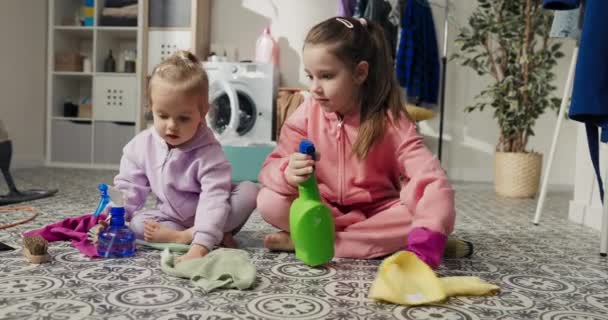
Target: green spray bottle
310,221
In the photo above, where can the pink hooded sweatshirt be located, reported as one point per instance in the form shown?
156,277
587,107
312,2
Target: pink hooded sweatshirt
192,182
398,166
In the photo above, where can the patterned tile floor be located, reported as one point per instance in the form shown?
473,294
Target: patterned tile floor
550,272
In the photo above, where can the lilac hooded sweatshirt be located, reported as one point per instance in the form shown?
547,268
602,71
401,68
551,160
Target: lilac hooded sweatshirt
192,182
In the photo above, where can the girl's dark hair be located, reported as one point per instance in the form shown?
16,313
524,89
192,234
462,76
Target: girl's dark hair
352,41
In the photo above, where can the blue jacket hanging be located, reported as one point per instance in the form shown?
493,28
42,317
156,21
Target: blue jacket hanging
418,57
589,102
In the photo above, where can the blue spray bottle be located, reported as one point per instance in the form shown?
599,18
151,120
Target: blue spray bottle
116,240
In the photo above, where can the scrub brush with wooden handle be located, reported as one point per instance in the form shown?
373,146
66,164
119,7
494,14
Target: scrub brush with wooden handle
35,249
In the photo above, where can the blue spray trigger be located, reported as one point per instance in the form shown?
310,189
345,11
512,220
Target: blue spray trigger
307,147
105,199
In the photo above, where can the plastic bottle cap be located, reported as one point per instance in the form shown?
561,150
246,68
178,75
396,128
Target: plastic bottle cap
307,147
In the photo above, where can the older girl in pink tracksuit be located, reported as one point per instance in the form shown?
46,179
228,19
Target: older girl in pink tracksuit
385,189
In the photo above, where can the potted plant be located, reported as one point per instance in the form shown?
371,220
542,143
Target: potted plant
509,40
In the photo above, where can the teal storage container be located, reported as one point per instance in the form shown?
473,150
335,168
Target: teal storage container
247,161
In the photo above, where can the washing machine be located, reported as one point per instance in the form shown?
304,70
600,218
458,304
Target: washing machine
242,98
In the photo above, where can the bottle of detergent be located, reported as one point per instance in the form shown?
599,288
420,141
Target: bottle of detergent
266,49
116,240
310,221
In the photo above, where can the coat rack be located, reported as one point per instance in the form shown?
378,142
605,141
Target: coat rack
444,62
443,67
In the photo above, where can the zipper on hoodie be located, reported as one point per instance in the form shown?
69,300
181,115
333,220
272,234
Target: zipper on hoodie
165,161
340,160
162,182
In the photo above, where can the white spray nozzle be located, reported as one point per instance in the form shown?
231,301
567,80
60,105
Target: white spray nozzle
117,198
109,196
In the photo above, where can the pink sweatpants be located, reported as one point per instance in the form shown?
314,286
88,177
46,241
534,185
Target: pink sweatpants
363,232
242,203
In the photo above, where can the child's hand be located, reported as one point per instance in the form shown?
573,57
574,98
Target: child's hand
196,251
93,233
299,169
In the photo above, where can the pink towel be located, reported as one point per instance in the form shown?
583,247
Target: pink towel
74,229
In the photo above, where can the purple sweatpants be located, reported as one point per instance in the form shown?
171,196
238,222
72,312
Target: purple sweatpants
242,203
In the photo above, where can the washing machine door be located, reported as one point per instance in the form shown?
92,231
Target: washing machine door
232,112
223,113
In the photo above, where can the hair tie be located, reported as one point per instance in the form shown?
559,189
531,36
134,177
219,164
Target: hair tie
186,57
363,22
347,23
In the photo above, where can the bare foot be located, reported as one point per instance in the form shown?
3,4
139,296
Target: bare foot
228,241
279,241
155,232
196,251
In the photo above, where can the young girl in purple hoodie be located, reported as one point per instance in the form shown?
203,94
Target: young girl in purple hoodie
182,163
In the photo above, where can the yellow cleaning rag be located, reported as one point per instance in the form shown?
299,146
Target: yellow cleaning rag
405,279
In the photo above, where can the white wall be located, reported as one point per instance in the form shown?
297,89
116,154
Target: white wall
289,21
469,138
23,77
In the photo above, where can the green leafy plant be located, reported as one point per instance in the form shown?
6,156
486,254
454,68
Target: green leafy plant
509,40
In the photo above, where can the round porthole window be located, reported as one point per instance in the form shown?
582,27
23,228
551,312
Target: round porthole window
220,113
247,113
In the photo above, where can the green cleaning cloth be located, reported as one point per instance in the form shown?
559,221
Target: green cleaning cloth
221,268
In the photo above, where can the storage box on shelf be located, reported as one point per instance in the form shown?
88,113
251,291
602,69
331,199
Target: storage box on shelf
108,140
71,141
68,61
162,44
115,98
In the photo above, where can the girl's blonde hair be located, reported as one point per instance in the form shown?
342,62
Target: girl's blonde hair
353,41
185,72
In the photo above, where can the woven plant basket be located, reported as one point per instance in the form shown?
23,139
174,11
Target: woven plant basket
517,174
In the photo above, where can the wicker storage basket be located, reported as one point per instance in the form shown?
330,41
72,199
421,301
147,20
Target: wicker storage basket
68,61
517,174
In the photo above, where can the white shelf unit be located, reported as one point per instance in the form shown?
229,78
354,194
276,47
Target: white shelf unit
117,98
94,139
177,24
173,25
